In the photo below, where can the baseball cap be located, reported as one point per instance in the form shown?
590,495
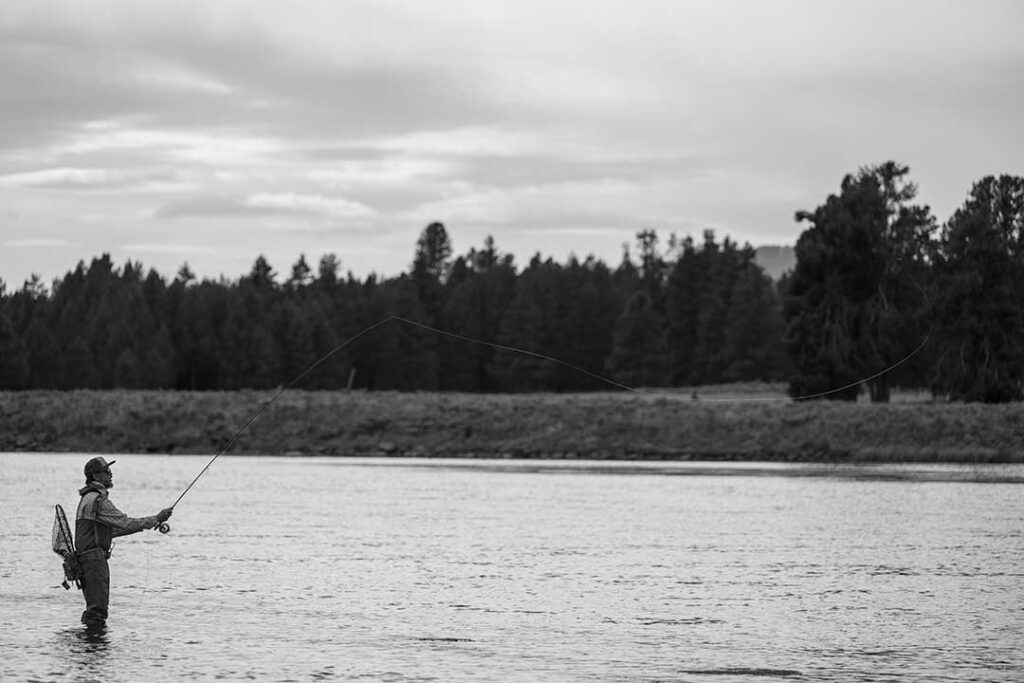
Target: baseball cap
97,464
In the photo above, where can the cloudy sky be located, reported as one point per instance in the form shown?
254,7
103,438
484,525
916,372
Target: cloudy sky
214,131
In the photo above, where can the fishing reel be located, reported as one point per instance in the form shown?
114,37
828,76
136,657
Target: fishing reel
163,527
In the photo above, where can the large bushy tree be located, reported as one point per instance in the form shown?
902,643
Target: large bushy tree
851,305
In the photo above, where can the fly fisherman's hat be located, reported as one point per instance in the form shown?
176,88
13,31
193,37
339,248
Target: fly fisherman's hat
95,465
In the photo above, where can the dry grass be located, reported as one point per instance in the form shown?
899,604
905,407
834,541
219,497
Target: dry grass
724,423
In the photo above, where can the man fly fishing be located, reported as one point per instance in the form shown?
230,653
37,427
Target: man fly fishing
97,523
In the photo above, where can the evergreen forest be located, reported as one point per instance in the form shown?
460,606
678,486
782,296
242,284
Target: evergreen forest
882,295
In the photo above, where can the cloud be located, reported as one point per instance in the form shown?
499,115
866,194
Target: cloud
391,171
686,203
306,74
210,147
203,205
38,243
266,204
167,248
463,141
94,179
600,203
528,118
63,177
162,74
291,202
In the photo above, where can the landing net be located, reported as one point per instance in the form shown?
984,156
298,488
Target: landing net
63,543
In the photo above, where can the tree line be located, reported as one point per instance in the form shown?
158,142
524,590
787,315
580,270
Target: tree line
880,295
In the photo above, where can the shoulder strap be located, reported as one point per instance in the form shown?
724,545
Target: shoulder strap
95,518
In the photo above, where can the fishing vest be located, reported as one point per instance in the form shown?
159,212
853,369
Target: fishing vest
89,533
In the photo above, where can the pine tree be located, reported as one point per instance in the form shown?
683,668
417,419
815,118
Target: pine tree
46,362
479,290
529,325
753,330
980,293
14,357
302,275
639,356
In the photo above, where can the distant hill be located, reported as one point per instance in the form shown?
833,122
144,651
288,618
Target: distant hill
775,260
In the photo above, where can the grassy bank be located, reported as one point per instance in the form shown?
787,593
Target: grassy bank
603,426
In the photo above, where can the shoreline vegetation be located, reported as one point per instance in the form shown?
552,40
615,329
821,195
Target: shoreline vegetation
726,423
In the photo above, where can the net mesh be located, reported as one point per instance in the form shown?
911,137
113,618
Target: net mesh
62,542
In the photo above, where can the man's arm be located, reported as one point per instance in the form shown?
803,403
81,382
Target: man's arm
121,524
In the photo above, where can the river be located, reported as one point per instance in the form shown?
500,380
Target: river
292,569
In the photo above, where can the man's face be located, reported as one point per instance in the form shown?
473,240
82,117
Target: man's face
105,477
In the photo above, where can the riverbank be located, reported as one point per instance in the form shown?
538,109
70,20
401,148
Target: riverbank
714,426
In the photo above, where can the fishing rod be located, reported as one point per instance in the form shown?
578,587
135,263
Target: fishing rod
165,528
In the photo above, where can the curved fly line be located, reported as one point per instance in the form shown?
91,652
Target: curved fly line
541,356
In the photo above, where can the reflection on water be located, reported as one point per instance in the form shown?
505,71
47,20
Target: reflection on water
95,637
83,651
759,673
319,569
1002,474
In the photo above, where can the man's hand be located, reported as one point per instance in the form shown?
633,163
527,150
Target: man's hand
164,515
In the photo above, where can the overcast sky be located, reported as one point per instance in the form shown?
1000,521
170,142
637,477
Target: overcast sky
214,131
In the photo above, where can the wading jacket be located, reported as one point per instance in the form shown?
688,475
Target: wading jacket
98,521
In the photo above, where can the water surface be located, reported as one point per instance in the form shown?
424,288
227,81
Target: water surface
395,570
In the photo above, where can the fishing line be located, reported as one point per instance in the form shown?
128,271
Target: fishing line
165,528
675,396
665,394
890,368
